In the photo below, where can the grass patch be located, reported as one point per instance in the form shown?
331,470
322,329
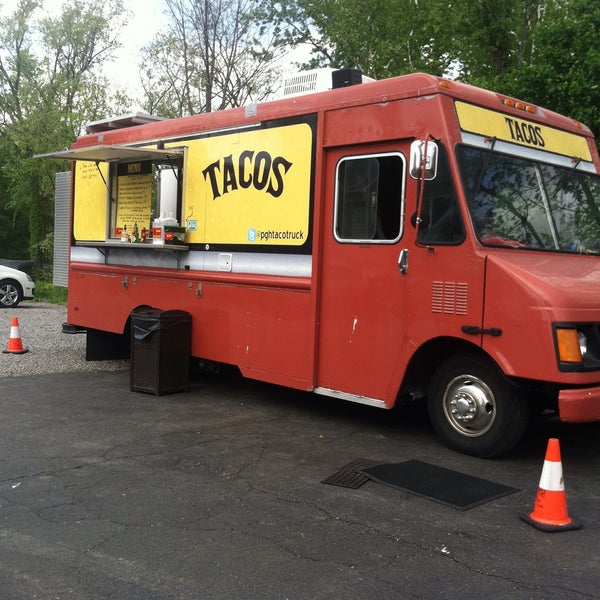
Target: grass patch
46,292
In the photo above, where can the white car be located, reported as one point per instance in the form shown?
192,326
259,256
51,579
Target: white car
14,286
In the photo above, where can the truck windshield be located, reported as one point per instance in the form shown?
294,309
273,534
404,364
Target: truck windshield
521,203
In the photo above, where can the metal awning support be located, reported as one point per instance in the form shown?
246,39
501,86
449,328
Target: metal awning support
100,173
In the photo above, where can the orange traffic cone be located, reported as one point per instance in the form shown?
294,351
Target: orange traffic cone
550,508
15,346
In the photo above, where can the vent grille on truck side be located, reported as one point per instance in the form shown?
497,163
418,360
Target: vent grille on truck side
449,298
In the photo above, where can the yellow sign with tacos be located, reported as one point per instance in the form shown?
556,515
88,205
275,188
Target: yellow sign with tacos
249,187
509,128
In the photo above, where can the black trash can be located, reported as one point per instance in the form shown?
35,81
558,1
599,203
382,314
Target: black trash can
160,350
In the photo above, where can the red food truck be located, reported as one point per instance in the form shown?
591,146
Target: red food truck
407,238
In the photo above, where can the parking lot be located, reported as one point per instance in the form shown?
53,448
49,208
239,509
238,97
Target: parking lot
217,493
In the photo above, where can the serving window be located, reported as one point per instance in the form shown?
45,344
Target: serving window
140,193
120,190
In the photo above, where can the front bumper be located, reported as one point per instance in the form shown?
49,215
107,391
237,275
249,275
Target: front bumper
580,405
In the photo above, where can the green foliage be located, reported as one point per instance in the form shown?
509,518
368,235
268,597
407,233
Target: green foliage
46,292
491,37
381,37
540,50
42,253
563,70
49,86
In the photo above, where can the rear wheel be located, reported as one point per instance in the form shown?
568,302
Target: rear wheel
10,293
474,408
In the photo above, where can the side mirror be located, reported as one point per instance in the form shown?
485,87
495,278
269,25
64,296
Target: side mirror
418,159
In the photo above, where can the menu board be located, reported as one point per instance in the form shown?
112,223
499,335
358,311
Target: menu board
134,196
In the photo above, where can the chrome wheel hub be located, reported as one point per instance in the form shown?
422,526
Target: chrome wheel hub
469,405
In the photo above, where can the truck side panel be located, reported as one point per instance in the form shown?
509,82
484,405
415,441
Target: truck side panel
252,323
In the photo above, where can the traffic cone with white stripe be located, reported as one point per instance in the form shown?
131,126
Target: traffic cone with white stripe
15,345
550,508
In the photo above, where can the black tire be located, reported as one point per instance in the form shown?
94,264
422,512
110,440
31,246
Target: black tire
11,293
474,409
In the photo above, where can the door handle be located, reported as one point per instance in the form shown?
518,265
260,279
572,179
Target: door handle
403,261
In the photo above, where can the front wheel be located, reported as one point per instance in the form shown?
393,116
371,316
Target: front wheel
474,408
10,293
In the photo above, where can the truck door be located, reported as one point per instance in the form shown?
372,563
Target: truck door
363,292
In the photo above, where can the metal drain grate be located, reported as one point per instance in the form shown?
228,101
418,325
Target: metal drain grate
349,476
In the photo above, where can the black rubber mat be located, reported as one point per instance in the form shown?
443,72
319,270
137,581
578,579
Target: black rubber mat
448,487
350,475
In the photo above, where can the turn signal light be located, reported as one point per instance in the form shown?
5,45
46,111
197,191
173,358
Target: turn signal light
569,349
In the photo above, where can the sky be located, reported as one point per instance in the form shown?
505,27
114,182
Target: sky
147,19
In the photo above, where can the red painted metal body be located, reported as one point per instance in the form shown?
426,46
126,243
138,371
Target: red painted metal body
352,323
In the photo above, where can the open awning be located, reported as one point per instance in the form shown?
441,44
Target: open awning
115,154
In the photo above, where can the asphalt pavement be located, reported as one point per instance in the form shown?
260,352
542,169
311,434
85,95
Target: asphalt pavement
217,493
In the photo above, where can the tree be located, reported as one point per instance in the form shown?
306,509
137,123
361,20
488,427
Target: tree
213,56
393,37
545,51
491,38
49,86
17,66
563,70
381,37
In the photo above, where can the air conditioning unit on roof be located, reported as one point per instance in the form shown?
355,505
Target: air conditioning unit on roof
321,80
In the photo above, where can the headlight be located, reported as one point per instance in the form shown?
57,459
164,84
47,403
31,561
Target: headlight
582,343
577,346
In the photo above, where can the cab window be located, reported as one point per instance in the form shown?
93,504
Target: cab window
369,193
